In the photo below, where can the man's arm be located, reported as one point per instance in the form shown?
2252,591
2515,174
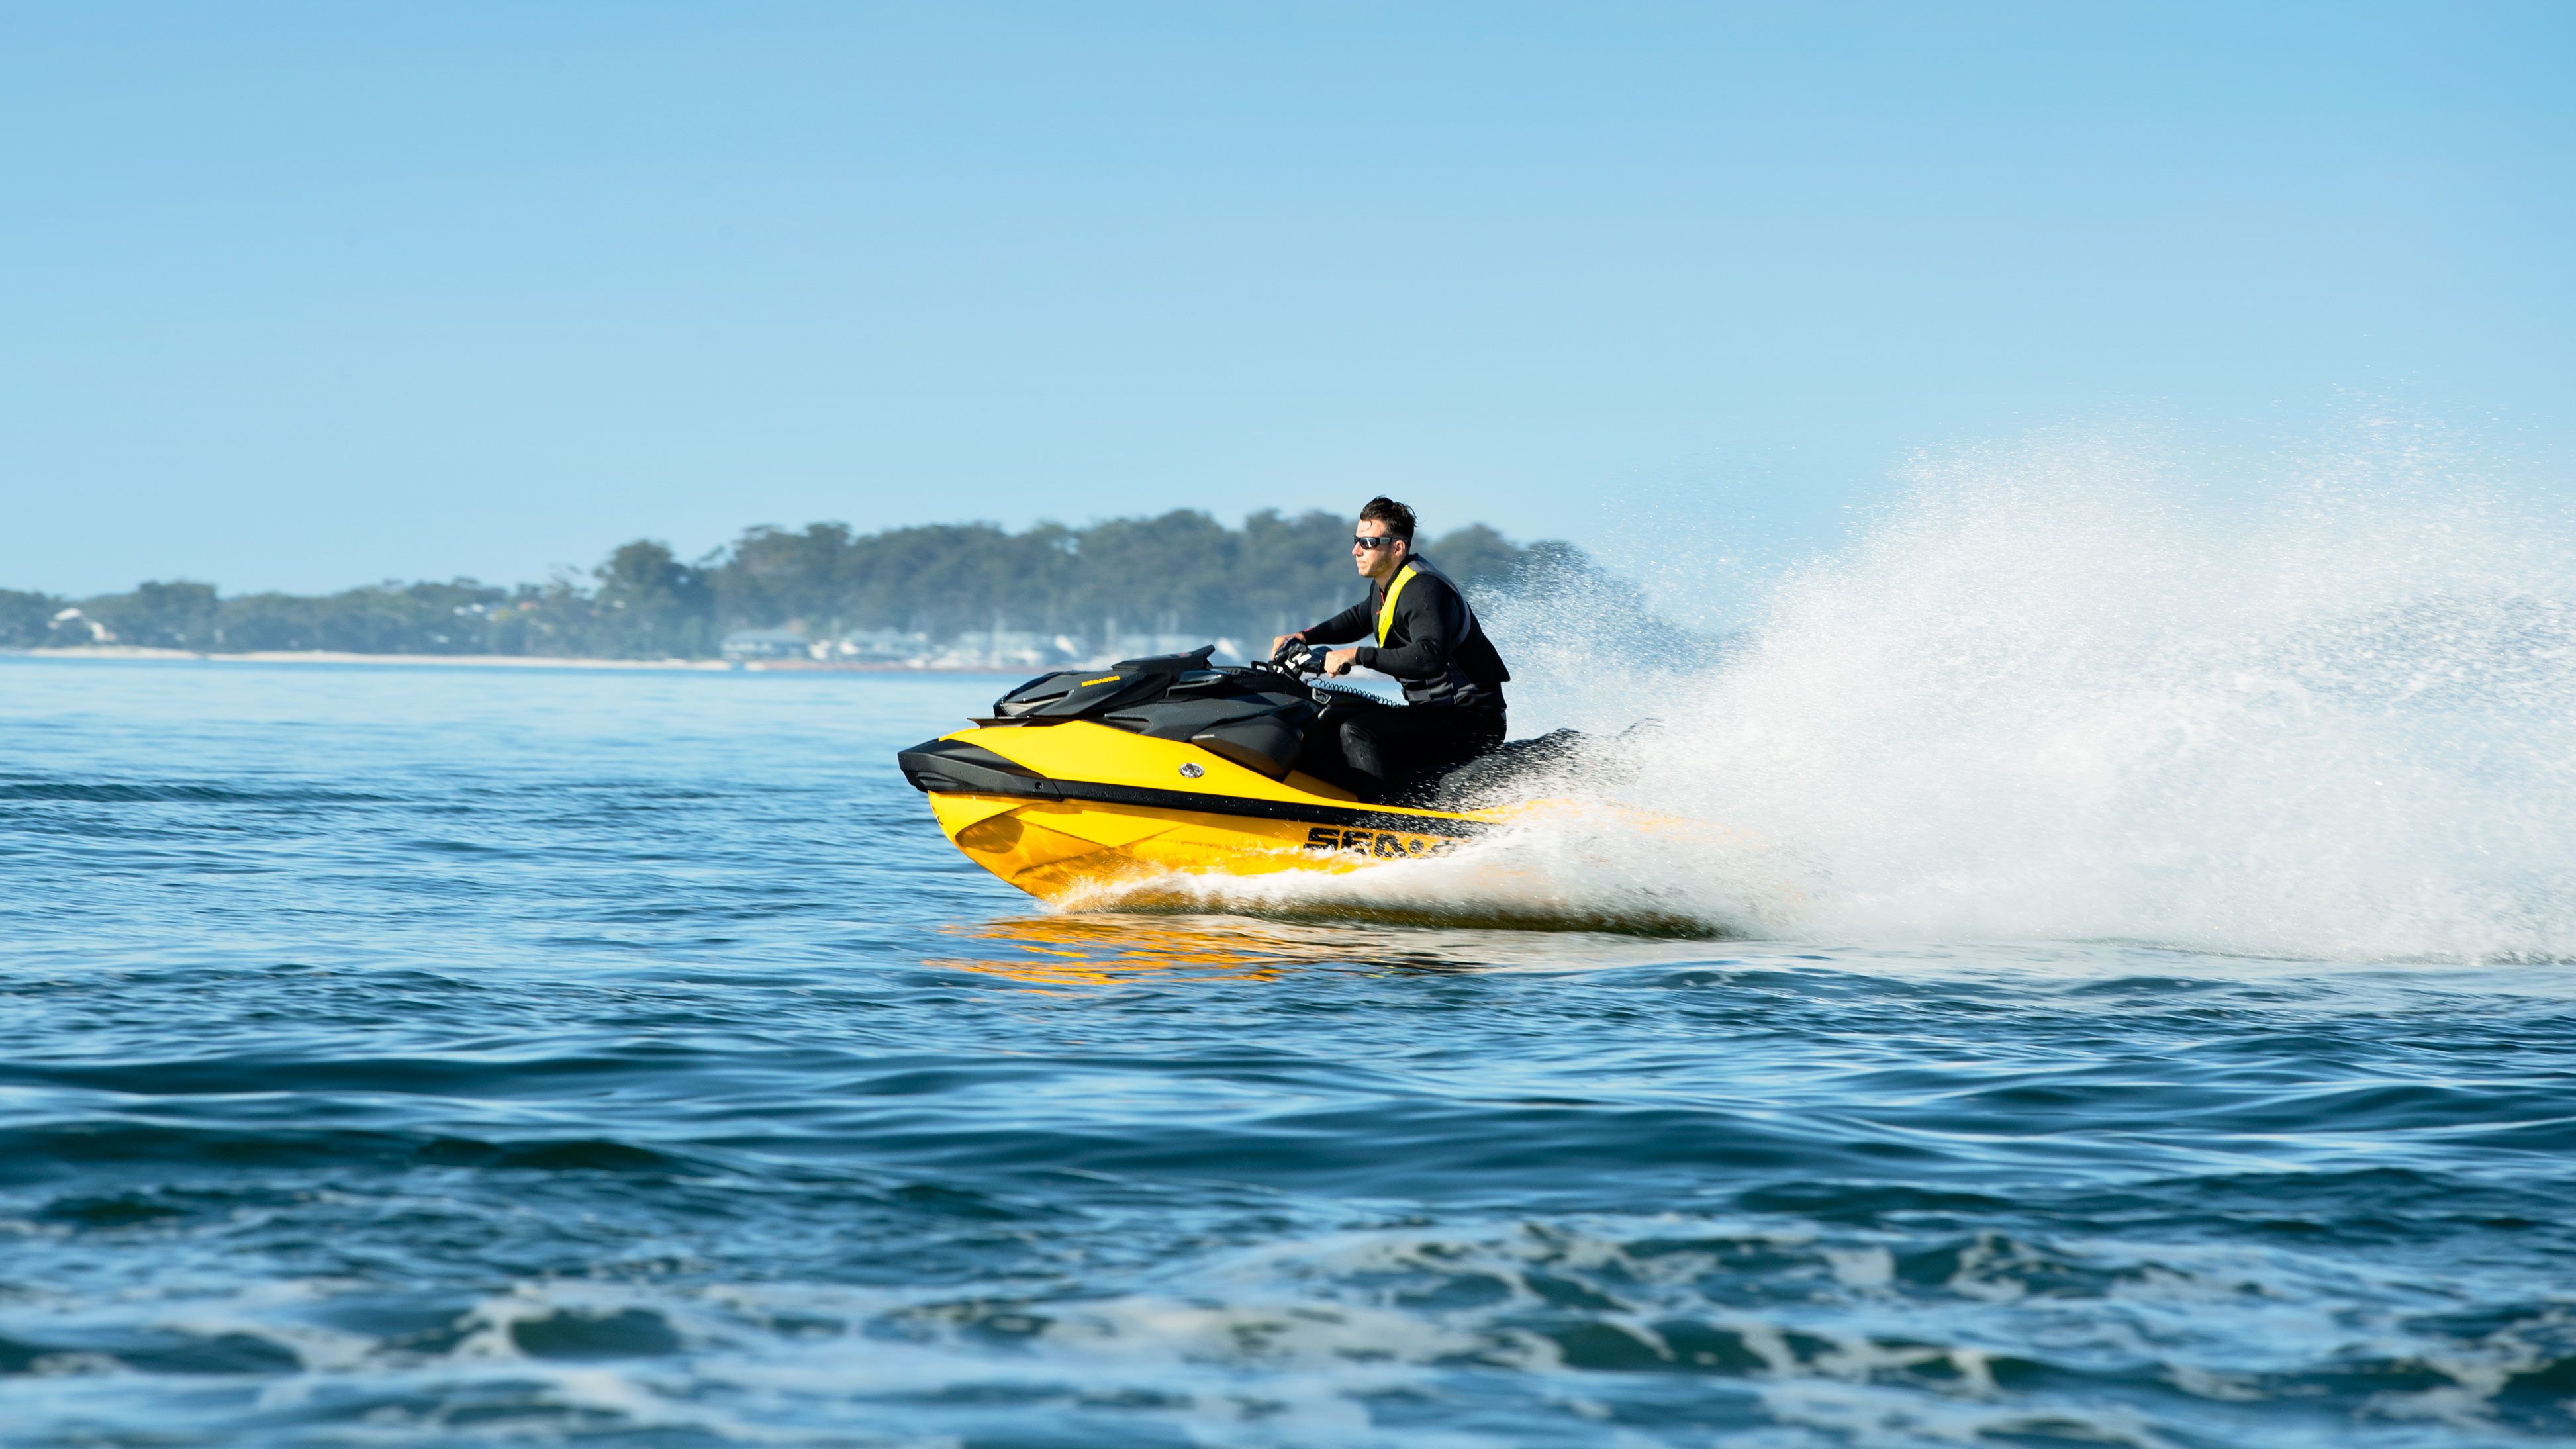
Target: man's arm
1355,622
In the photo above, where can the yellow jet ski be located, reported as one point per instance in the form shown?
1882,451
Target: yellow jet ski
1088,779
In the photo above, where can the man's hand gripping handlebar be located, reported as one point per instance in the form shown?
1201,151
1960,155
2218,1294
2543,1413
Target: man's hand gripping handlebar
1292,653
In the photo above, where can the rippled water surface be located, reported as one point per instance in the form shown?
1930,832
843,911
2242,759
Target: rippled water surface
428,1057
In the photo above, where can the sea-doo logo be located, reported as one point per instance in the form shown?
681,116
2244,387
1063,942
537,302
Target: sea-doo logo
1192,770
1383,844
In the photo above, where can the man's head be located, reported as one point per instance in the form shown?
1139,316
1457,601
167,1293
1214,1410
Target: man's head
1383,540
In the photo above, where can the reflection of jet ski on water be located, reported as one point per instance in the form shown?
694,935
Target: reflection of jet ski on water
1085,779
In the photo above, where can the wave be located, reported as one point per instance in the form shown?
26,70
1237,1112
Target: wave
1521,1331
52,789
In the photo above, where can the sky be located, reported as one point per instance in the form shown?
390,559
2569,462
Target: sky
303,296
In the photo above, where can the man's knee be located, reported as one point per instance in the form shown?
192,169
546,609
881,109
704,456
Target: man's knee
1362,746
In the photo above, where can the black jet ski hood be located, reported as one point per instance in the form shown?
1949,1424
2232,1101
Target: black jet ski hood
1254,716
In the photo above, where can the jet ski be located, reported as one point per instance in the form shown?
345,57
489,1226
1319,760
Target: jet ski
1085,779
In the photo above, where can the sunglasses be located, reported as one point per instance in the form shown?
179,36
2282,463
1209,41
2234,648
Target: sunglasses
1373,542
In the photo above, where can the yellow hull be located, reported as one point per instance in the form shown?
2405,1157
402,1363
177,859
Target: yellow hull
1055,848
1172,808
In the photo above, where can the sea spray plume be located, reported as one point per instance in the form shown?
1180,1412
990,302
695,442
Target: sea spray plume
1589,651
2050,695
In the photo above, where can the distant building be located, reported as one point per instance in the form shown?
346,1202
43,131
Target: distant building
765,644
1147,646
984,649
879,646
1000,649
98,633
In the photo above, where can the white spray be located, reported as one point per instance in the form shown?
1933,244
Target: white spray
2051,695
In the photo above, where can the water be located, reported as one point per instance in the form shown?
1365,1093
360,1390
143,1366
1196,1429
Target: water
442,1057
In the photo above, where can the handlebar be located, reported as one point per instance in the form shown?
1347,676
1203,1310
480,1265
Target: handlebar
1299,657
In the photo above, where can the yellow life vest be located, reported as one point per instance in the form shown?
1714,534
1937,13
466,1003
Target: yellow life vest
1386,611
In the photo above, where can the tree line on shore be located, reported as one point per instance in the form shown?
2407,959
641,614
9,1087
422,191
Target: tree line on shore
1183,572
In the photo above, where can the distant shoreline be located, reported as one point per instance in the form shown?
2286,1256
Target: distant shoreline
507,661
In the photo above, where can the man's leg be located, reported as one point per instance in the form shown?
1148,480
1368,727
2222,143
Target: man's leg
1326,756
1393,747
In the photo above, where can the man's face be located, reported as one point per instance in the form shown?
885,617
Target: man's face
1381,561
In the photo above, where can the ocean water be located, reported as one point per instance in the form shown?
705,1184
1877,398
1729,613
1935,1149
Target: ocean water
421,1056
2167,1041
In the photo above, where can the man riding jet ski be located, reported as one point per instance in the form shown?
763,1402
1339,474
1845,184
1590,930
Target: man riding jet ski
1100,778
1427,638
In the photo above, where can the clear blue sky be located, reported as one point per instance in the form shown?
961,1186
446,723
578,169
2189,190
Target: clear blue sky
302,296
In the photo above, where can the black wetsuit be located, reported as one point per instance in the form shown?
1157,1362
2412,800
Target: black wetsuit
1453,688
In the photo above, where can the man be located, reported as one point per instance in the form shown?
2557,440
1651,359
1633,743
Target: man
1427,637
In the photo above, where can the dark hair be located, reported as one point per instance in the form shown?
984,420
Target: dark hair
1397,518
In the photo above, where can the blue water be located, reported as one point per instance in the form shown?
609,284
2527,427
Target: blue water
445,1056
